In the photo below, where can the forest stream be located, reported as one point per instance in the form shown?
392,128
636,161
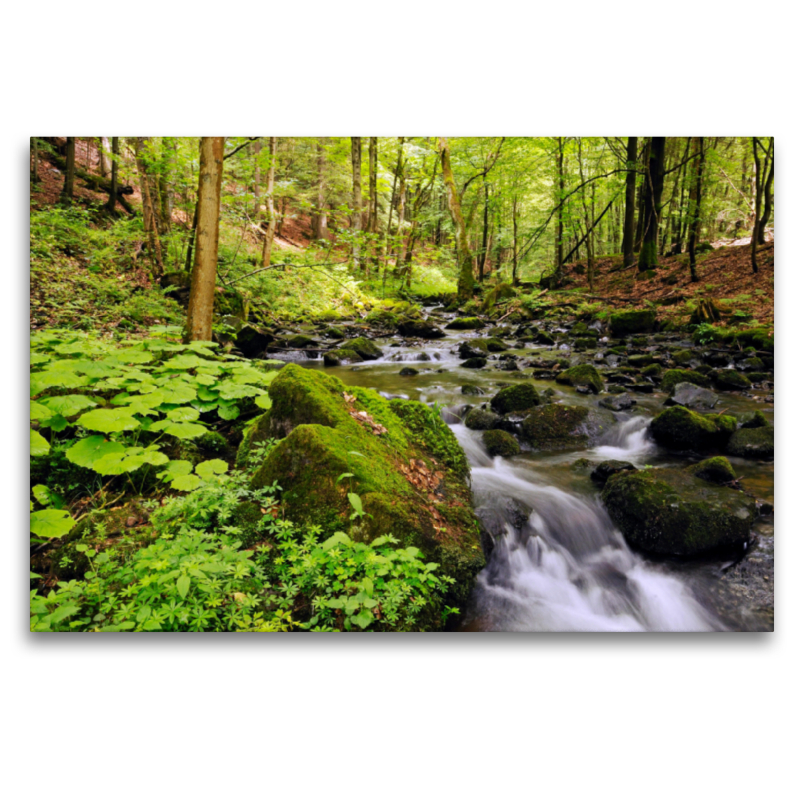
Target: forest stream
558,562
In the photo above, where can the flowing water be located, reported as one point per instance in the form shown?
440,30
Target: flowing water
559,563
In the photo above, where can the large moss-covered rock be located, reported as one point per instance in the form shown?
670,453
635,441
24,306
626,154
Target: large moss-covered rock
252,341
670,512
681,429
368,350
625,322
406,466
495,345
672,377
753,443
478,419
475,348
582,375
730,379
558,427
713,470
419,329
465,324
500,443
519,397
382,319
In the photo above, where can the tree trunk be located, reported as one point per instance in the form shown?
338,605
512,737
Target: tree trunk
401,217
319,220
695,199
560,221
149,214
266,254
653,187
69,174
466,281
767,193
35,166
204,270
372,225
485,237
257,181
105,161
637,244
355,153
164,183
388,238
111,205
515,263
629,229
757,215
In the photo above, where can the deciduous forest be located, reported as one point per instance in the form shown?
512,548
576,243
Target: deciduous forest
401,383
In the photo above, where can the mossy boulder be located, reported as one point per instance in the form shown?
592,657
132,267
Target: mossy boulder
681,357
252,341
419,329
500,443
475,348
672,377
474,363
713,470
652,371
681,429
341,356
640,360
503,291
494,345
605,469
669,512
465,324
478,419
368,350
519,397
582,375
753,443
752,419
299,341
406,466
625,322
730,379
382,319
408,372
559,427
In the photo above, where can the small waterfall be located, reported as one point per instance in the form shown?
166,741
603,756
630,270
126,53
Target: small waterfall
627,441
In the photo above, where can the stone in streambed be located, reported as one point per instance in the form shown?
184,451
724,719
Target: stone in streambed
519,397
753,443
605,469
500,443
693,397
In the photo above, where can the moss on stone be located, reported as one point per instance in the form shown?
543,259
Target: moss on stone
652,371
382,318
555,427
682,357
519,397
582,375
670,512
753,443
730,379
495,345
342,355
300,341
500,443
626,322
478,419
672,377
681,429
465,324
640,360
713,470
365,348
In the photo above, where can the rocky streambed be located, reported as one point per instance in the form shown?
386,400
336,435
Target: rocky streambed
621,478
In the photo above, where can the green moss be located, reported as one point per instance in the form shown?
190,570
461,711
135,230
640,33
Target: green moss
495,345
753,443
672,377
730,379
652,371
465,324
682,429
365,348
714,470
582,375
500,443
555,427
300,341
670,512
519,397
752,419
480,420
255,432
681,357
503,291
342,355
382,318
640,360
626,322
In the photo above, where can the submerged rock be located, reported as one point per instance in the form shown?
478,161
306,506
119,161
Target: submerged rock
617,402
474,363
469,389
670,512
408,371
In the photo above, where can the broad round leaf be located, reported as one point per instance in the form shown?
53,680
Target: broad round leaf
51,523
39,445
69,404
207,469
85,452
109,420
186,483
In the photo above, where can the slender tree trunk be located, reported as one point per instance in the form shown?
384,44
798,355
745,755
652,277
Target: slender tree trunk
319,220
266,254
466,281
398,169
372,225
151,226
629,229
355,154
69,175
560,220
485,236
757,215
204,271
637,245
257,180
105,161
164,183
515,263
653,187
111,205
762,227
695,199
35,166
401,217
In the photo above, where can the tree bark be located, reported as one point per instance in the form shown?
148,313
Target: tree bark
266,254
105,161
695,199
559,255
69,174
515,265
149,212
257,180
466,282
204,271
767,193
319,220
35,166
355,154
485,236
653,187
629,229
111,205
757,214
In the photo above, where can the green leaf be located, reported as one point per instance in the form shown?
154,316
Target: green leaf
108,420
175,470
183,414
363,619
186,483
207,469
85,452
344,475
228,412
355,501
181,430
56,423
183,585
264,401
39,411
228,390
51,523
207,395
42,494
39,445
337,538
178,393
